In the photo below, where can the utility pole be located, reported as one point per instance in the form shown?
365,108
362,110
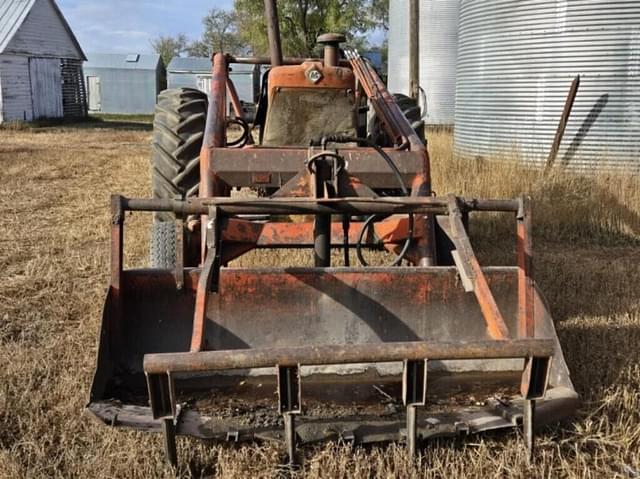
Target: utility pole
273,31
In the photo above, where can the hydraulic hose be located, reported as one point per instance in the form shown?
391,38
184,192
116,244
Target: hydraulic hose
371,219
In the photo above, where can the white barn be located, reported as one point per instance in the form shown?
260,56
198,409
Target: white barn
40,63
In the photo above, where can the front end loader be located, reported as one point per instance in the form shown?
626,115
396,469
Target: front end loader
427,343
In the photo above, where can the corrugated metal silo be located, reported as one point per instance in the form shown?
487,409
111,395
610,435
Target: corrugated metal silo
516,61
438,47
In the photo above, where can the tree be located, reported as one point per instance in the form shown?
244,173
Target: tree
301,21
380,13
220,34
169,47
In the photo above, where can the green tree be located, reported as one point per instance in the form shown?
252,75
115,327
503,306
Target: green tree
220,34
301,21
169,47
380,13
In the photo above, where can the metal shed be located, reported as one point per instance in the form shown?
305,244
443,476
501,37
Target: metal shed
123,84
516,61
438,52
40,63
195,72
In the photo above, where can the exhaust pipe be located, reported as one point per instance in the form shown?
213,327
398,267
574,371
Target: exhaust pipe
273,30
414,49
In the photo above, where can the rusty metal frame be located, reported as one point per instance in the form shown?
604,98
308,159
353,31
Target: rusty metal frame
471,274
206,361
467,264
273,167
310,206
305,191
224,168
162,368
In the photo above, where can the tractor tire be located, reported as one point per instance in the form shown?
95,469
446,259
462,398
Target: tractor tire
178,132
163,244
411,111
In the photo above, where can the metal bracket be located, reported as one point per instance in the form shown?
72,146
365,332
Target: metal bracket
414,394
162,399
463,253
324,175
414,383
214,236
507,411
162,395
535,378
289,405
209,278
462,428
348,437
534,385
346,222
179,252
117,239
117,210
289,390
473,278
464,271
526,287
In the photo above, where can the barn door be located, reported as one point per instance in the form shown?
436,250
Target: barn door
46,87
95,96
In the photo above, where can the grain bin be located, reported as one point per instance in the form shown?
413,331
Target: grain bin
516,61
438,46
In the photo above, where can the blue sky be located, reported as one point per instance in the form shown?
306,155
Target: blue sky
127,26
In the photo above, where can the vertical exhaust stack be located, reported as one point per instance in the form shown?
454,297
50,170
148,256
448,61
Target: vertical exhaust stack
331,42
273,31
414,49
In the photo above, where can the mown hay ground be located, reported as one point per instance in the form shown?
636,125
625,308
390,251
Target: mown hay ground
54,194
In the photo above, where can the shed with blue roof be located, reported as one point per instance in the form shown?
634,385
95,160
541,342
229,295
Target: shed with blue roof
123,83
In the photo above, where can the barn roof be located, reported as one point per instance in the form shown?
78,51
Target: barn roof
201,65
131,61
13,14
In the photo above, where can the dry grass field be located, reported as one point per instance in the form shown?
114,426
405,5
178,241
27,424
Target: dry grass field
54,223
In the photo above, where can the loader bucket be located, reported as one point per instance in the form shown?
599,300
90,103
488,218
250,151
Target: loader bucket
359,354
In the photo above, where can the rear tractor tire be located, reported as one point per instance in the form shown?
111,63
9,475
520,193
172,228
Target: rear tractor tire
178,132
411,111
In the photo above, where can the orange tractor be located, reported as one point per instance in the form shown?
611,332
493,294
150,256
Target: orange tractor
427,344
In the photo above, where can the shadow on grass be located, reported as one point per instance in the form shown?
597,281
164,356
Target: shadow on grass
600,354
586,246
588,122
115,122
581,212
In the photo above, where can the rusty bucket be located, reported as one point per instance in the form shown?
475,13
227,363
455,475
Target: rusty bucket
311,354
